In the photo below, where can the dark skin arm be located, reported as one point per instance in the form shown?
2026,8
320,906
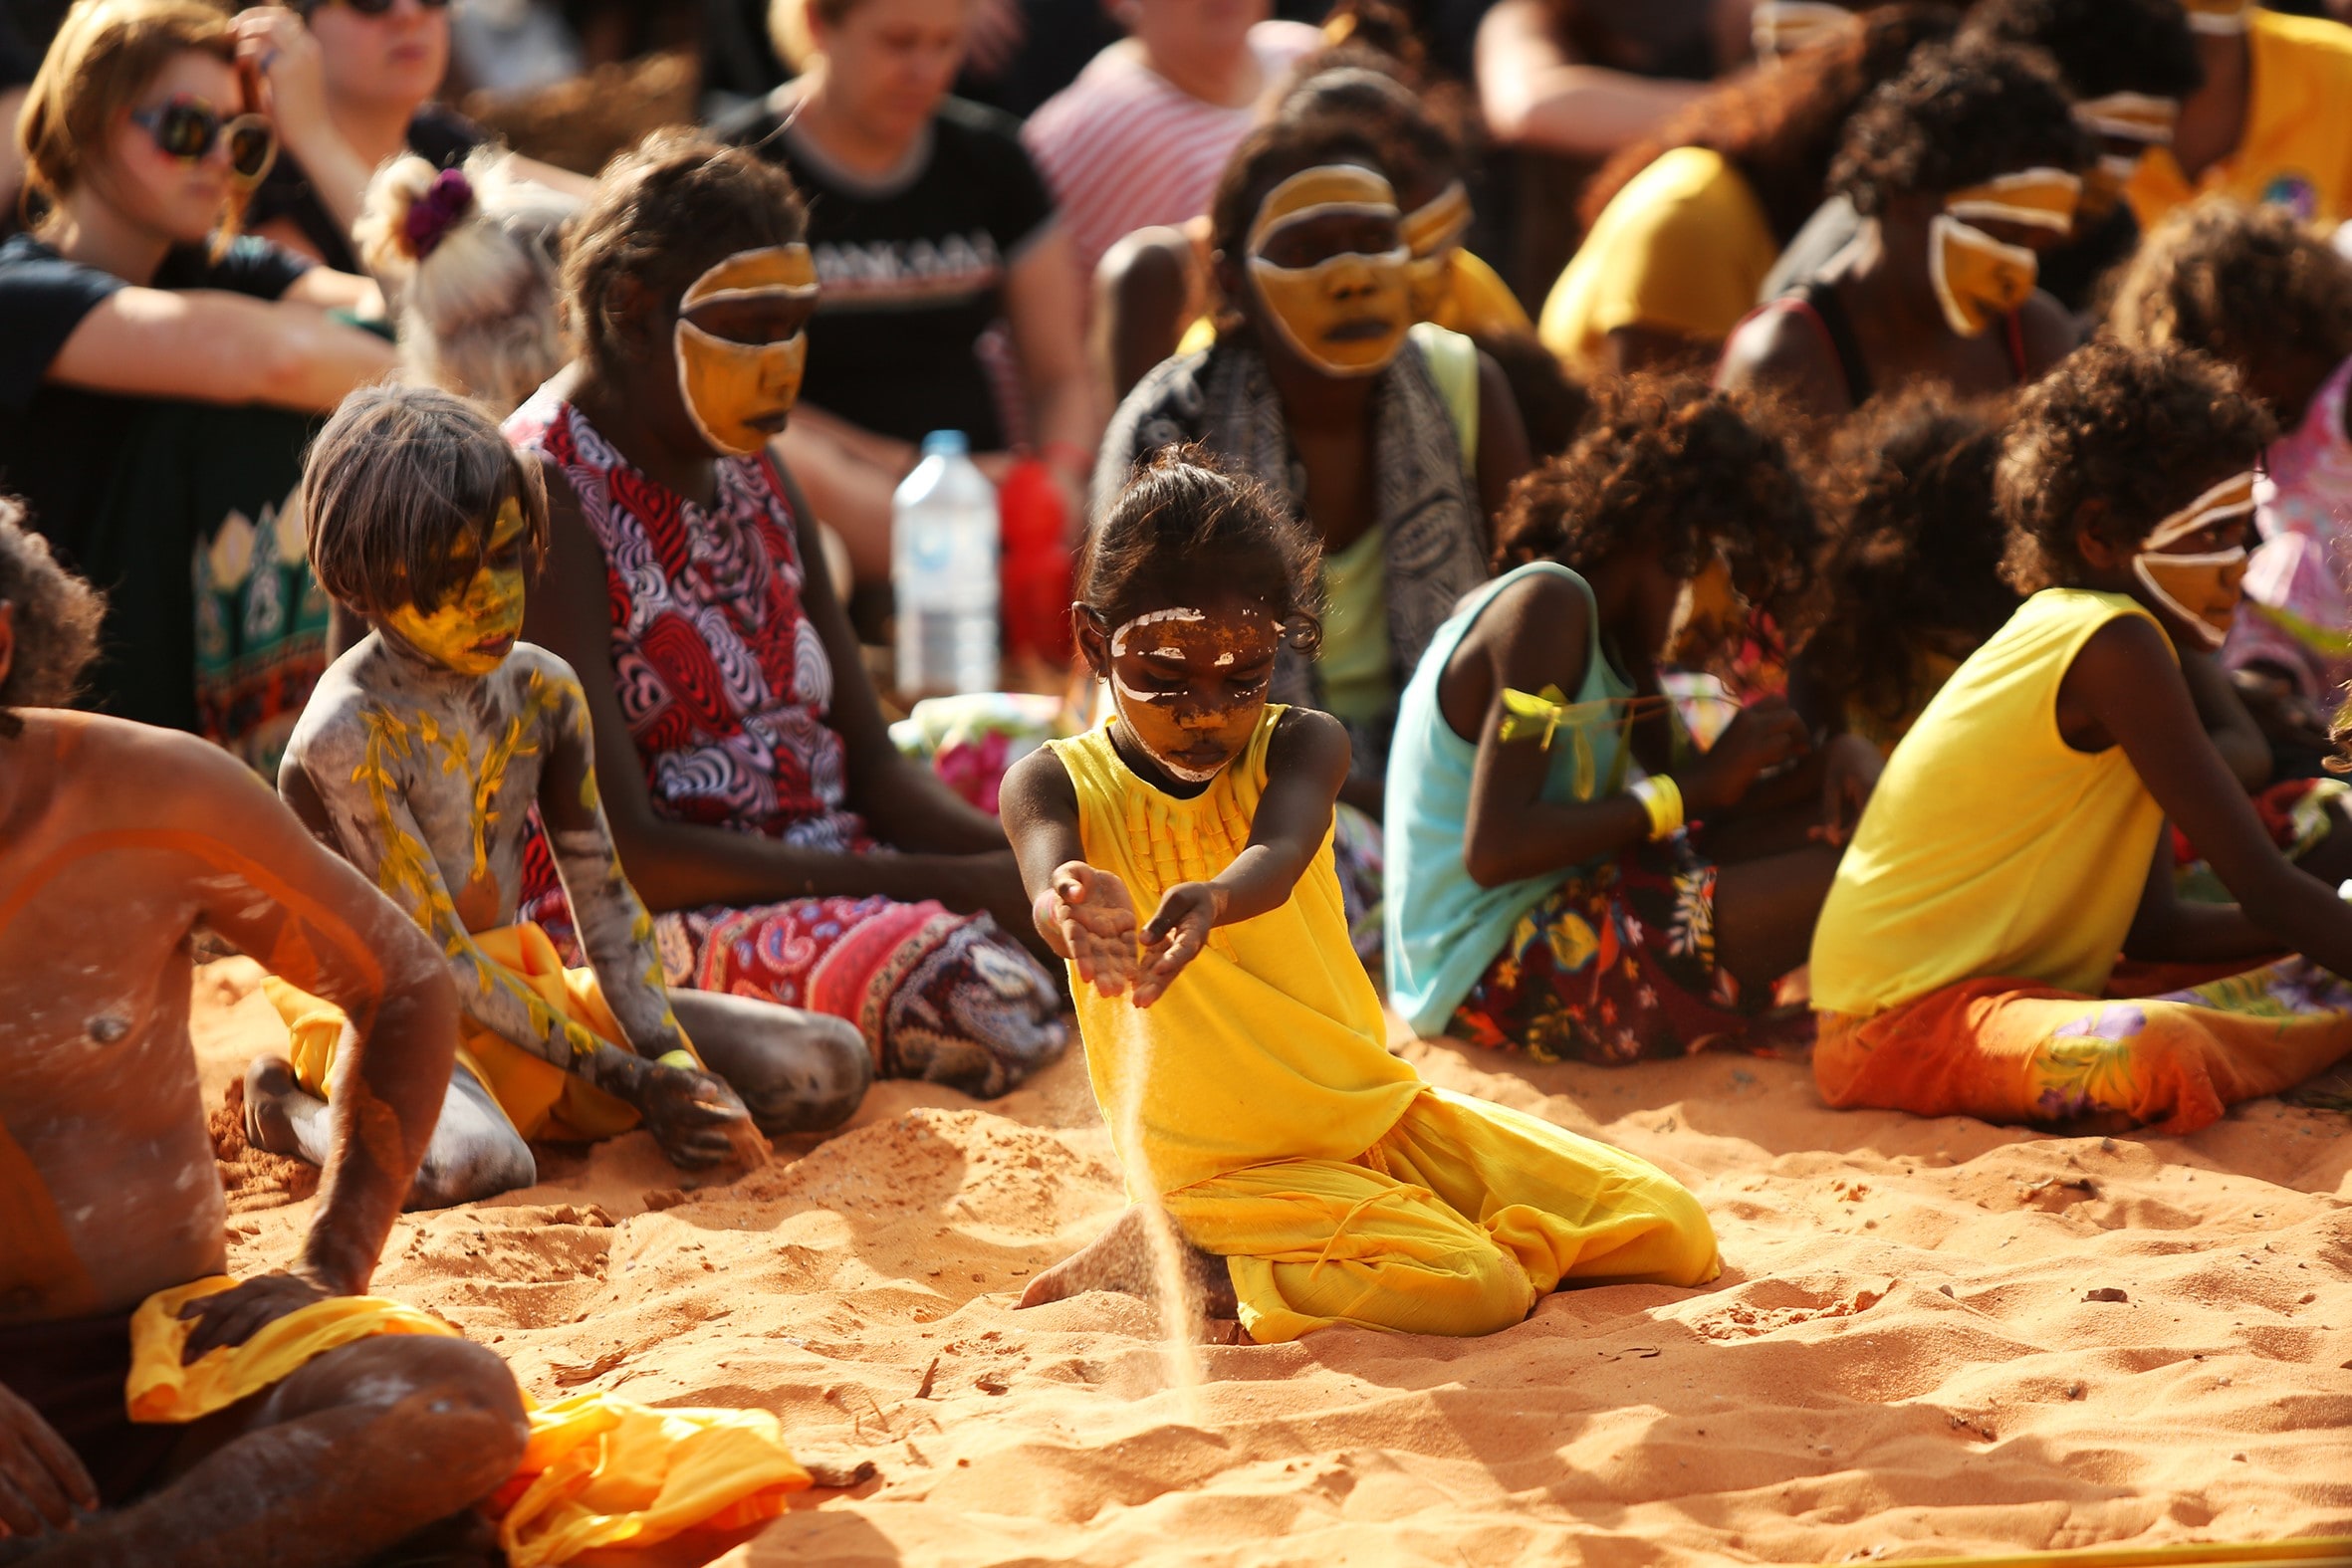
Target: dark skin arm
1142,289
1503,454
332,934
2125,690
1086,915
960,855
1783,351
2049,330
42,1482
1535,634
2226,722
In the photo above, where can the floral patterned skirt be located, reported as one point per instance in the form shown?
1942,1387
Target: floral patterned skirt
1615,965
2011,1050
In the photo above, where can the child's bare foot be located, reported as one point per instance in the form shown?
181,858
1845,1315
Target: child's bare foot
1121,1259
268,1093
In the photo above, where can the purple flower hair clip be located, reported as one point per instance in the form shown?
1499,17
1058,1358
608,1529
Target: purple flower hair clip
432,215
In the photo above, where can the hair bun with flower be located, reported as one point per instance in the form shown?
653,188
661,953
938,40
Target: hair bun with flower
433,214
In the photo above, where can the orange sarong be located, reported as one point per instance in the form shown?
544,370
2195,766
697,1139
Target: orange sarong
2014,1051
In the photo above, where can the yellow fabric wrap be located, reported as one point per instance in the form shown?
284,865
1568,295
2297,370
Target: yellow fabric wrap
596,1471
539,1097
1454,1222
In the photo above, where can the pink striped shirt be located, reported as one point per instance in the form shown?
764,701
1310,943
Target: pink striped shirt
1124,148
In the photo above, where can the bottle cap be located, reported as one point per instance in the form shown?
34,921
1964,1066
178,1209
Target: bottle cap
947,443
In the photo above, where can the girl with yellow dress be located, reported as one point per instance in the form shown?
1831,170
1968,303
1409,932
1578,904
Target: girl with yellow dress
1234,1040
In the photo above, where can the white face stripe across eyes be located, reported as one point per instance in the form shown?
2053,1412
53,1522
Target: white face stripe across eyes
1329,209
2133,117
1182,612
1987,201
2232,498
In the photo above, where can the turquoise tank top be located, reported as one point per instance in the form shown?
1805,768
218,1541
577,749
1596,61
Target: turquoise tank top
1442,929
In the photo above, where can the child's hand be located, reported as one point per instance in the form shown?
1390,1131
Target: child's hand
1093,920
1759,738
695,1118
1850,767
1177,931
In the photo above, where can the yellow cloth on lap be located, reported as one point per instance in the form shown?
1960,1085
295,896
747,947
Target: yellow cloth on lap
595,1471
539,1097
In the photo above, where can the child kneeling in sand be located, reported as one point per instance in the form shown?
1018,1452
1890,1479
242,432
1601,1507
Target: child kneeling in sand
1234,1040
421,756
2014,845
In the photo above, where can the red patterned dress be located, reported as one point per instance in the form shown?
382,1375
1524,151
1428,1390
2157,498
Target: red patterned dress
725,687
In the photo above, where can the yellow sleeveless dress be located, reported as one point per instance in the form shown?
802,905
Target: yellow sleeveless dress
1257,1101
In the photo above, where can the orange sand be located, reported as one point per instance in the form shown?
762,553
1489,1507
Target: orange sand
1900,1359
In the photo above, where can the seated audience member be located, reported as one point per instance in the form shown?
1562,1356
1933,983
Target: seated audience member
2127,64
116,841
1963,168
2256,288
350,84
1551,889
2016,844
423,757
472,260
1155,281
759,807
1911,580
1180,855
1682,226
1141,138
2267,126
1392,442
158,373
929,226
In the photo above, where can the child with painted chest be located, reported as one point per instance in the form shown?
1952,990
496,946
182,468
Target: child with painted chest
1235,1042
421,756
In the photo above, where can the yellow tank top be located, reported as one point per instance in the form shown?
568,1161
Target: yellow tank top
1992,847
1269,1045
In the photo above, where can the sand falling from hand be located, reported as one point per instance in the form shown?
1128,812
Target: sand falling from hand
1173,1296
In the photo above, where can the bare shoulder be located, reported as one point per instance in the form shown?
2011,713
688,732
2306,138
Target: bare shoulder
1774,346
1307,737
1037,783
2049,331
116,774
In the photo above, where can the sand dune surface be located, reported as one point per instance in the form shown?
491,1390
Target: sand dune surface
1930,1337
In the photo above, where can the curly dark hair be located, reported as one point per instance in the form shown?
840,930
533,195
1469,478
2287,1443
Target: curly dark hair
1914,546
56,618
1669,461
1953,118
1188,530
2113,441
1779,124
1272,154
2234,280
1351,87
2099,46
663,213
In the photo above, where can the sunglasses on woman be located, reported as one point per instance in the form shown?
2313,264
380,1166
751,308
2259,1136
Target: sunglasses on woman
189,129
304,8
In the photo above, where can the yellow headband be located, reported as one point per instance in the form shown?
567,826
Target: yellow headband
2232,498
777,272
1316,192
2041,198
2219,16
2134,117
1442,222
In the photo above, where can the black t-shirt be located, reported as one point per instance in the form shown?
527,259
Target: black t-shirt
442,136
912,268
61,447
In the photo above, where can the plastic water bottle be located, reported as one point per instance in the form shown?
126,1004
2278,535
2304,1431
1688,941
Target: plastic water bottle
943,572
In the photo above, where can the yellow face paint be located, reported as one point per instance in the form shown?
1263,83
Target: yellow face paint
1433,233
2039,198
738,393
1346,315
2202,589
474,630
2219,16
2133,117
1978,279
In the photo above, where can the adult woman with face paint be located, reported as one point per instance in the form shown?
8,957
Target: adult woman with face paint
2016,843
158,373
1317,389
1963,168
752,791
